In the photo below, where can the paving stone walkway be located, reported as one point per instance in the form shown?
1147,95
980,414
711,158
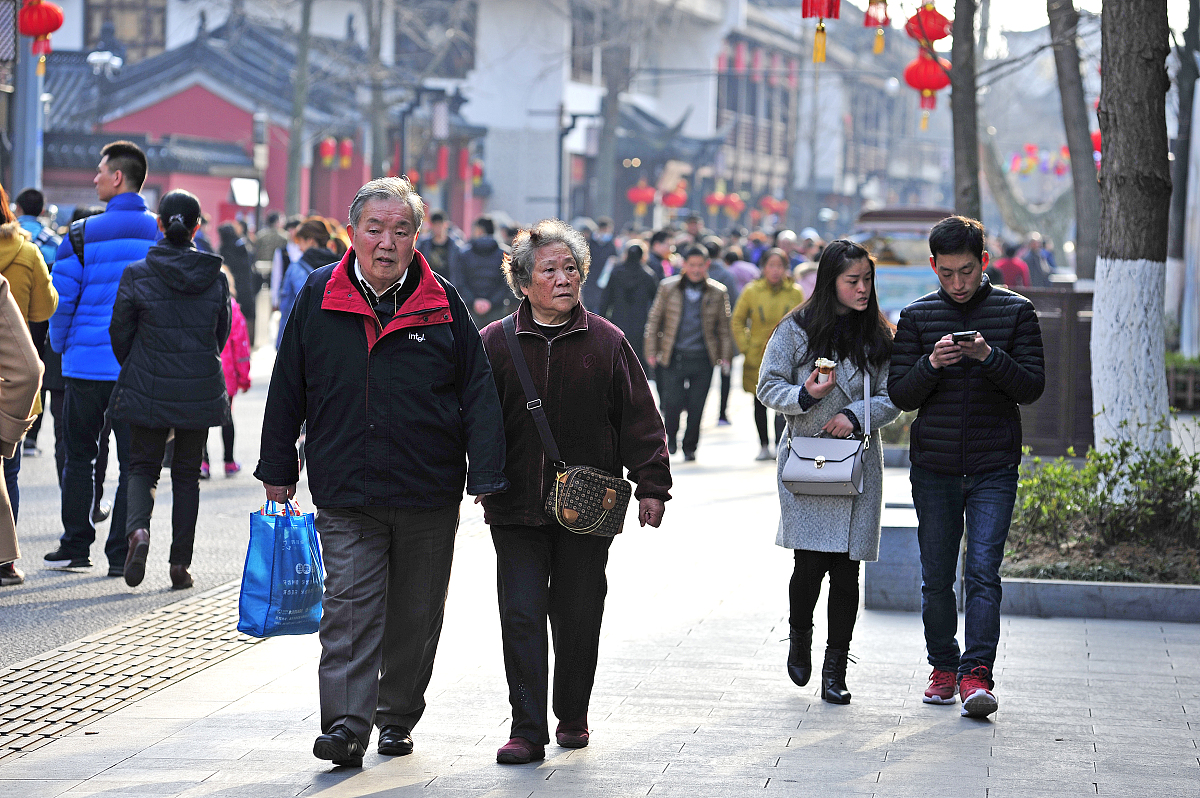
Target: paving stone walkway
691,698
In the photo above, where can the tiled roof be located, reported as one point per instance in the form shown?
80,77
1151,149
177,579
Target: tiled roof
253,59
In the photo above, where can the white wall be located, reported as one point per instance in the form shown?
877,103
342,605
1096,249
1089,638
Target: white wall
70,35
521,65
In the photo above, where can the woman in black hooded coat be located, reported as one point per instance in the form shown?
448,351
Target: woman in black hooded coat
169,324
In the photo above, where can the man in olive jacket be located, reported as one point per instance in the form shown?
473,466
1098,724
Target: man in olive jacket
382,361
687,333
965,357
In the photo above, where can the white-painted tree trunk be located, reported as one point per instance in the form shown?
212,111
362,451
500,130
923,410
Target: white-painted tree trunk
1129,383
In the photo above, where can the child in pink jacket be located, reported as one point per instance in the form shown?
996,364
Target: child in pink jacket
235,360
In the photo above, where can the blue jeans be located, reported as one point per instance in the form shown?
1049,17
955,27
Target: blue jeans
986,500
84,408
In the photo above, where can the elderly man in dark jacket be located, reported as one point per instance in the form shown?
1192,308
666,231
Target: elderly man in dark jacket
381,359
601,414
965,357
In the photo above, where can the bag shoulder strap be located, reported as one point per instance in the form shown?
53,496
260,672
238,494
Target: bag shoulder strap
533,403
76,235
866,422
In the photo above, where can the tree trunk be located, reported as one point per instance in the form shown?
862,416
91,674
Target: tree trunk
295,163
1129,390
963,108
1063,21
1186,82
377,117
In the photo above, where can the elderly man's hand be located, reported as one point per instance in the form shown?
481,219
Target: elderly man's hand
650,511
279,493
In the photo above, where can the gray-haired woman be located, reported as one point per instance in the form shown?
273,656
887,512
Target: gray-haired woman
601,414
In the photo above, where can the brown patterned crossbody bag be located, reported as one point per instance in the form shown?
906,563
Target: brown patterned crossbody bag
583,499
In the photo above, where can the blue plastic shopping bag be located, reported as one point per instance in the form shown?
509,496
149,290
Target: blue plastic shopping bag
283,578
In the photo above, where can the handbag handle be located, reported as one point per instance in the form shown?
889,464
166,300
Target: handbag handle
533,404
866,422
273,508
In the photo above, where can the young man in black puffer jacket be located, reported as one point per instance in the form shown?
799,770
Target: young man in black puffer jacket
965,448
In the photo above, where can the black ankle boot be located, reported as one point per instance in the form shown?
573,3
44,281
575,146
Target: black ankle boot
833,677
799,663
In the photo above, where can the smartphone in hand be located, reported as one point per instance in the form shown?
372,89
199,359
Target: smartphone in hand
964,337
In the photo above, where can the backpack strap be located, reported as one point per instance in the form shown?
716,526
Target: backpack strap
76,236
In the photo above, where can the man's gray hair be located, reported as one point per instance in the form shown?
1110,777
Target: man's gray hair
518,264
388,188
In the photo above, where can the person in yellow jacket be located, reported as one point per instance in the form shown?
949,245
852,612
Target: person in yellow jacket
762,305
22,265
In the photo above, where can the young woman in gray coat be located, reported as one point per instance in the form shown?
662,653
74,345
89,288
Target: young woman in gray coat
841,322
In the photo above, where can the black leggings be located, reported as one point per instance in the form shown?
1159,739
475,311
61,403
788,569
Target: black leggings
760,421
805,587
147,446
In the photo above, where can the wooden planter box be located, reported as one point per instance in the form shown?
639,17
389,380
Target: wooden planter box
1183,387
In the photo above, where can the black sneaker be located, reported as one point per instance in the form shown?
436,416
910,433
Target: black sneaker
62,560
30,449
10,574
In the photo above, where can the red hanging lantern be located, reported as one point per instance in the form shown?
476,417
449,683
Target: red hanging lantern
38,19
822,10
734,205
1096,147
928,25
414,177
776,67
714,201
739,58
477,172
927,74
677,198
327,149
877,17
345,153
640,196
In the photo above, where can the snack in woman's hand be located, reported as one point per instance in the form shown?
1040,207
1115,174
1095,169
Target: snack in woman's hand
825,366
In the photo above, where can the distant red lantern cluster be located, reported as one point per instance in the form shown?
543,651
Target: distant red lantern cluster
330,149
770,205
714,202
734,205
927,73
641,196
677,198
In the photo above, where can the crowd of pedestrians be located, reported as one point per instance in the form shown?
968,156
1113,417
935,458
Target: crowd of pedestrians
491,366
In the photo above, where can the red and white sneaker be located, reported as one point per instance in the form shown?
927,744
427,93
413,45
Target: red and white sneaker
942,687
978,700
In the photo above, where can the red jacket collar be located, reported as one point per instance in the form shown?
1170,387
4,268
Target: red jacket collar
526,324
427,305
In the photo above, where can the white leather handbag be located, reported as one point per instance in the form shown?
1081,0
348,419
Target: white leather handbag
823,466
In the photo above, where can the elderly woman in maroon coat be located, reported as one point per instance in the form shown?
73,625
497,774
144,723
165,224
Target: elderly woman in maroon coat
601,414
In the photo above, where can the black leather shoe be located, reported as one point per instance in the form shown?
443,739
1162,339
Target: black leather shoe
135,562
799,662
833,677
341,746
395,741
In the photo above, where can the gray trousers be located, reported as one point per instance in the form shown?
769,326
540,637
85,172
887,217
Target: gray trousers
386,574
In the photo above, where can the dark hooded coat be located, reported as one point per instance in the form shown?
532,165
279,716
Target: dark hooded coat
169,324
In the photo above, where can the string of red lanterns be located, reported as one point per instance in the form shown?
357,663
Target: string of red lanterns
928,73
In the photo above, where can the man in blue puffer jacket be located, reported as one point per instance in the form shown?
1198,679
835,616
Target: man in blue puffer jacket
87,288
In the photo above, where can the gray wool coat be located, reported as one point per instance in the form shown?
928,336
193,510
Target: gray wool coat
825,523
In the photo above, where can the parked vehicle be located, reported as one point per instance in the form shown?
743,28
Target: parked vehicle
898,238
